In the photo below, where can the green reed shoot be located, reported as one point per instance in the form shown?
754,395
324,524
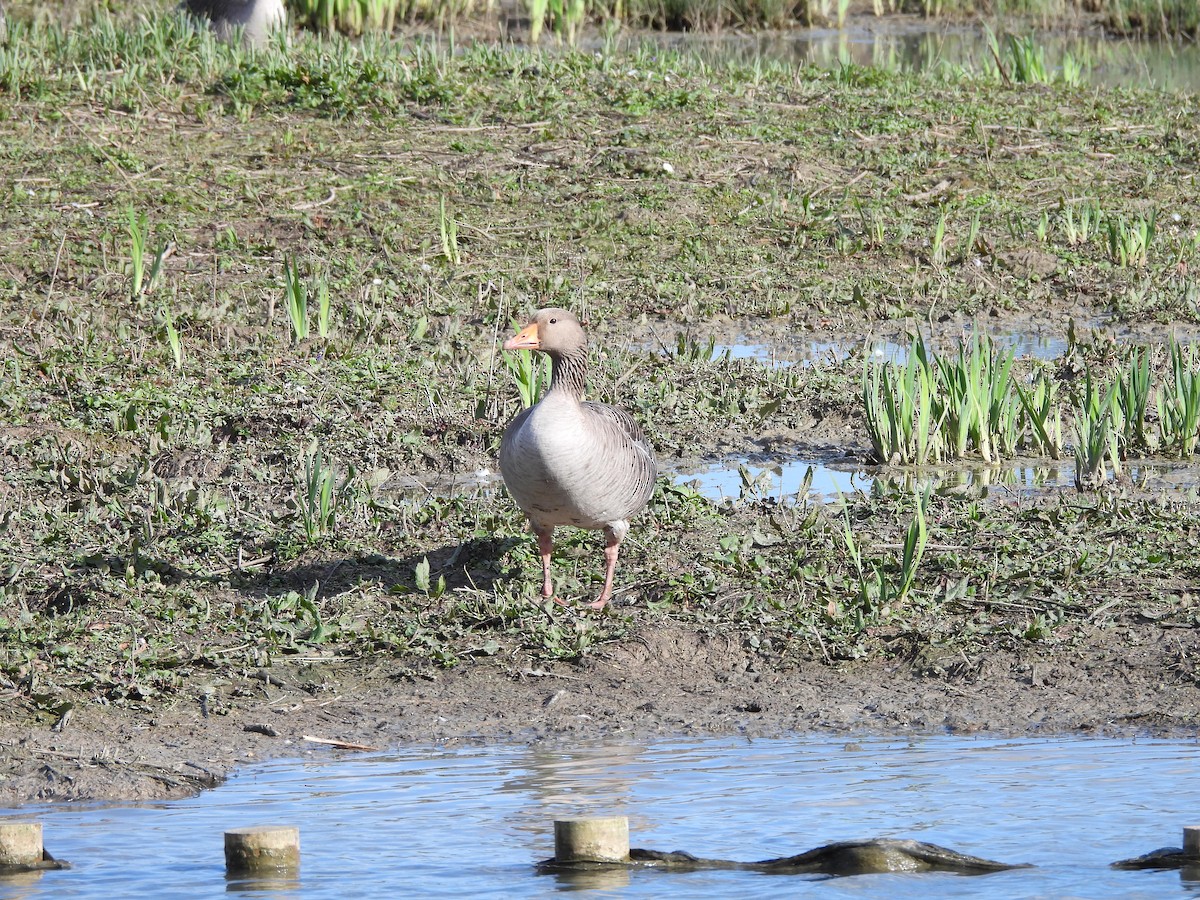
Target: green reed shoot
936,407
172,334
1073,70
1091,218
1027,60
916,537
317,500
899,406
156,267
1069,226
566,16
1005,414
449,232
976,398
530,372
886,425
138,226
1081,223
1129,242
1179,403
1045,417
1133,397
1096,435
537,17
349,16
295,298
972,237
878,592
324,308
1187,249
958,402
938,244
688,349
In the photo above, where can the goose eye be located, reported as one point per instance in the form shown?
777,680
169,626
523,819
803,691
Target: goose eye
552,321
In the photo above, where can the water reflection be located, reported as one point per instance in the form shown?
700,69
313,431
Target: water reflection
551,776
276,886
746,477
907,46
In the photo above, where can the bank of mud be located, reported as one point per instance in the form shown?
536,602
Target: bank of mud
665,682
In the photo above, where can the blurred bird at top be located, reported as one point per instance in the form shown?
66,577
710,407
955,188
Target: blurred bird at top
256,18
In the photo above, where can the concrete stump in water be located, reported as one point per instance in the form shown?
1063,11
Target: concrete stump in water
603,839
1191,841
20,843
262,850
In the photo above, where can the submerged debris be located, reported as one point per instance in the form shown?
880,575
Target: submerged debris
885,855
46,862
1162,858
860,857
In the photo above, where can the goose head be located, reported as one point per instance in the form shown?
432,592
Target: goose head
555,332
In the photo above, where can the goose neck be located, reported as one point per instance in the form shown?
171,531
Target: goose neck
568,374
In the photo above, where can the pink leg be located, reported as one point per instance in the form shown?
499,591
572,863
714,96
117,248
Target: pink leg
545,539
611,548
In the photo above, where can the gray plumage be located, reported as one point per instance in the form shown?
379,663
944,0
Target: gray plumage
256,18
570,462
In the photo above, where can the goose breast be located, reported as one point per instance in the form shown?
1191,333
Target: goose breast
581,464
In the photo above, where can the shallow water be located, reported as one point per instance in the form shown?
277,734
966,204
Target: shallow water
906,45
783,479
789,478
1033,345
472,821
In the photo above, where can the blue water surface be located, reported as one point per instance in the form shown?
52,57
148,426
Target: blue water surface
473,820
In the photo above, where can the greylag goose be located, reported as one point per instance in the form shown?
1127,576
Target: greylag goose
569,462
256,18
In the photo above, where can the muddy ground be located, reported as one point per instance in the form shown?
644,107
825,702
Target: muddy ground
1135,680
